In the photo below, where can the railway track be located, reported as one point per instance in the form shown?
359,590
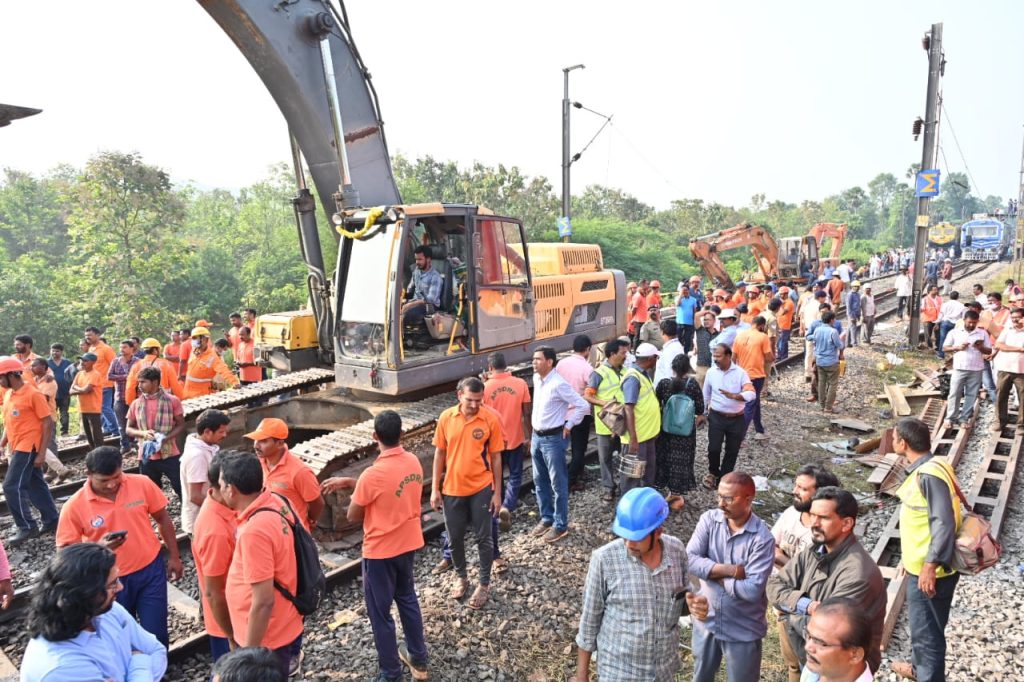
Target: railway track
347,447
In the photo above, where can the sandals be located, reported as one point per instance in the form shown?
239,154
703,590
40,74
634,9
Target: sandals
710,482
675,502
499,566
904,669
459,589
479,598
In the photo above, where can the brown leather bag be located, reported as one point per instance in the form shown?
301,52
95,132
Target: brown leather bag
613,415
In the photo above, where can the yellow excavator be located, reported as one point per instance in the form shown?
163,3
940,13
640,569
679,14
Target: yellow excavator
498,291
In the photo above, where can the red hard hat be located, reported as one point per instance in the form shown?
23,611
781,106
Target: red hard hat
9,364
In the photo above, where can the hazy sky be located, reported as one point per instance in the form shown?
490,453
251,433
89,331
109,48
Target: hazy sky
716,100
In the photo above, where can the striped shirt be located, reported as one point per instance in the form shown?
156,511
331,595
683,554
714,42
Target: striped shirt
630,614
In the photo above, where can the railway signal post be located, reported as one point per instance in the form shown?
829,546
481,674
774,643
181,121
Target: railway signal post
927,180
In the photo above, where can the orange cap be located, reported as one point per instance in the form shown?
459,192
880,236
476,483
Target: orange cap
203,323
270,427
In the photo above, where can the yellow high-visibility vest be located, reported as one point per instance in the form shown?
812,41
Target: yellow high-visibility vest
914,532
647,411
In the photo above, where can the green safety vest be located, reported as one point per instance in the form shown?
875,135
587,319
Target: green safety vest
647,411
914,533
610,388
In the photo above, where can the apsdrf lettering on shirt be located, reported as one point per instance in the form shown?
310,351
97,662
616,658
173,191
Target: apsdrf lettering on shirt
411,478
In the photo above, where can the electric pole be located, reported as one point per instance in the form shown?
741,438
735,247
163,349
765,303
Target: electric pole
565,222
1019,233
936,65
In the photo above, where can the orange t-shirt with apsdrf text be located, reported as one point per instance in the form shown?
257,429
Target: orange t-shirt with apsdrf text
24,411
469,444
391,493
264,550
104,356
87,517
507,394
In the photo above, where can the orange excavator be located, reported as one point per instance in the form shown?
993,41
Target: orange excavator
790,258
837,233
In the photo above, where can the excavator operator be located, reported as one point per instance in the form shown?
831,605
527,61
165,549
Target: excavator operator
425,288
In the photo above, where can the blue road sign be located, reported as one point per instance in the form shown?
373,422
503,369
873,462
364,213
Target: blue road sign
928,183
564,227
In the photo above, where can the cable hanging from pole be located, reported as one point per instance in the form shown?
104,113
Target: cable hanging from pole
607,120
952,130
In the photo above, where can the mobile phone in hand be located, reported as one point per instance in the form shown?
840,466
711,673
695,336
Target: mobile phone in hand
115,535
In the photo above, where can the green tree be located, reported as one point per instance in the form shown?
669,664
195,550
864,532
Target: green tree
124,223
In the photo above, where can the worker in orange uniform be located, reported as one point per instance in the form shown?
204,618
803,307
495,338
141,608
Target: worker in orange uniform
654,298
286,474
234,330
784,315
28,427
151,358
245,358
835,287
264,559
86,385
186,349
752,350
204,365
104,356
117,510
213,545
172,351
638,312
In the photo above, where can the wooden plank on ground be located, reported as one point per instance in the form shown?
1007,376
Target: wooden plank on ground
867,446
900,406
889,461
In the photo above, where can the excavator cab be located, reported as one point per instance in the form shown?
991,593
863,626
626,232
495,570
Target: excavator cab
798,258
486,298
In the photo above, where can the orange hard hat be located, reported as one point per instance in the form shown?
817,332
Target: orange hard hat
10,364
203,323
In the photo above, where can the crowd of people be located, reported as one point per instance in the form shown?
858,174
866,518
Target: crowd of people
645,395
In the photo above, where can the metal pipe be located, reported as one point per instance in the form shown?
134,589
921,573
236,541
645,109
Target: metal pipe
349,196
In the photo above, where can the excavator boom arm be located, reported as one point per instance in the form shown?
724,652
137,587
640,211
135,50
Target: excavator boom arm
282,41
761,242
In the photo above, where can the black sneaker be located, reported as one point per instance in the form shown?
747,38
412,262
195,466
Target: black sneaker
21,536
417,668
50,528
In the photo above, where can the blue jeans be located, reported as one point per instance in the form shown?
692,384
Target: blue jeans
782,347
928,618
752,409
387,581
107,415
944,329
988,381
24,483
145,597
514,460
551,479
121,413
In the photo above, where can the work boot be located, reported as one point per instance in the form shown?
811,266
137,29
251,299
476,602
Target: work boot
21,536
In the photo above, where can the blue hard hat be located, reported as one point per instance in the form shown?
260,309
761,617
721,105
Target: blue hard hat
639,513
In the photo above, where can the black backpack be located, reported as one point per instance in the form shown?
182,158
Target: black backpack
312,582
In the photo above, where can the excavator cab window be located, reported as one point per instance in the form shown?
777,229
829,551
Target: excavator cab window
502,293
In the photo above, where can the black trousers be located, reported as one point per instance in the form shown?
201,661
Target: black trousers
170,467
727,429
92,427
578,438
685,336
